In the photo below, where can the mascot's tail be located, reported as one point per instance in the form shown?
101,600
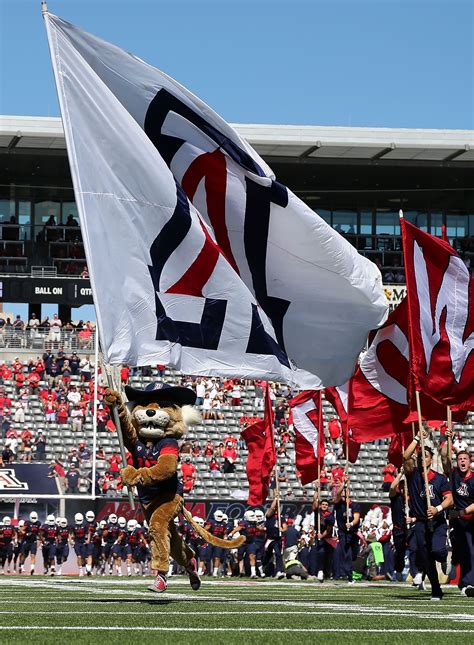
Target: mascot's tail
211,539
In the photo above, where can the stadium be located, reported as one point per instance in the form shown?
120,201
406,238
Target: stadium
297,519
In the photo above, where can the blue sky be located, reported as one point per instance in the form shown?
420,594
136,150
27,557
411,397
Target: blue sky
395,63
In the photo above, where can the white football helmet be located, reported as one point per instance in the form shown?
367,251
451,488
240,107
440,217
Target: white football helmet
21,523
218,516
113,518
58,521
122,522
33,516
225,517
90,516
198,520
259,516
131,525
102,524
78,518
62,522
249,516
50,520
7,521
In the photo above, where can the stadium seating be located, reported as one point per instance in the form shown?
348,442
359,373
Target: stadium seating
366,474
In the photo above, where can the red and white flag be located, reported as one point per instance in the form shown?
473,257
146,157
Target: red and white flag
440,294
261,458
339,399
307,414
381,397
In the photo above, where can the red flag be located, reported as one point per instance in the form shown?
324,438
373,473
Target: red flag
379,393
261,455
339,399
397,447
307,413
440,294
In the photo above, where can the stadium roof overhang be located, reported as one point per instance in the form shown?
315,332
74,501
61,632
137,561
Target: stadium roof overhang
292,142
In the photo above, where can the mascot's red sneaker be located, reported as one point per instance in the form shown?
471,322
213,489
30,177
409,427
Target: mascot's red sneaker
194,579
159,584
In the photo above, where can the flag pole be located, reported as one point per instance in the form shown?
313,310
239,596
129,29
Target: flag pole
106,370
318,496
96,402
268,407
405,489
321,429
346,472
450,438
422,446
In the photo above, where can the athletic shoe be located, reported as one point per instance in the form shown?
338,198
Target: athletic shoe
321,576
194,579
351,582
399,576
469,591
417,580
437,597
159,584
254,576
280,575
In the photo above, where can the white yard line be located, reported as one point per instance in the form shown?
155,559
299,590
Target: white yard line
264,630
360,610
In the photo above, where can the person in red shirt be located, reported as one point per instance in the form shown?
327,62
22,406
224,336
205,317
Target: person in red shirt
230,440
389,473
214,465
230,456
115,462
209,449
189,475
33,381
5,372
62,413
124,374
337,473
334,428
5,401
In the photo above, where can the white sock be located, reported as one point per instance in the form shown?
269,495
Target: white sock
32,567
129,569
253,571
88,567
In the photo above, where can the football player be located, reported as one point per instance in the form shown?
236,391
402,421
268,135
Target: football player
260,540
217,527
247,551
133,546
30,535
62,546
90,546
78,535
7,542
110,535
48,535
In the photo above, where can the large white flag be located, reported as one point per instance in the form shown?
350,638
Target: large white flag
244,278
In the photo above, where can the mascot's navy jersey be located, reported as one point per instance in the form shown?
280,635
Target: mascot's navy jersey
463,489
146,455
439,487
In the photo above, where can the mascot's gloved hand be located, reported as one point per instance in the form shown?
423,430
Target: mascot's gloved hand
112,397
131,476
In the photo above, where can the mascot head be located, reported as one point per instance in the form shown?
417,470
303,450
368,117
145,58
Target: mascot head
161,411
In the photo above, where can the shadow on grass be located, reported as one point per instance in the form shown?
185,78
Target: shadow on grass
213,601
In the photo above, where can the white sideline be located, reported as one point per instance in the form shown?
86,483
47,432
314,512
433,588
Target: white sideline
265,630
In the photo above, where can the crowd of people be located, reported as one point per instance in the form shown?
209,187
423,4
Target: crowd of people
52,333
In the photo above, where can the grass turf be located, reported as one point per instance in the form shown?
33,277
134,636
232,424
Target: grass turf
113,610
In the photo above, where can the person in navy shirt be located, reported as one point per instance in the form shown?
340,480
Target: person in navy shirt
273,541
219,528
49,535
401,533
29,543
347,515
430,528
461,518
322,551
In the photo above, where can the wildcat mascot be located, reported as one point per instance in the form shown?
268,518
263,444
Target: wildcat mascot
152,422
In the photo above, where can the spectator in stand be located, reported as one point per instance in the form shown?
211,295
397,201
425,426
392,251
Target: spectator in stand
206,407
188,471
200,391
40,446
19,411
330,456
77,418
334,429
324,478
229,439
282,475
100,453
8,332
337,473
33,327
124,374
26,445
72,478
55,329
236,395
8,456
115,462
85,336
259,394
74,362
19,331
220,449
279,414
102,418
459,444
230,456
53,373
73,457
86,369
216,409
196,449
186,448
34,381
2,330
214,465
50,409
12,443
66,373
73,396
84,453
161,369
209,449
62,413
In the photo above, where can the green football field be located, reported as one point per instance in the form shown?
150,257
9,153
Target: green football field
113,610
